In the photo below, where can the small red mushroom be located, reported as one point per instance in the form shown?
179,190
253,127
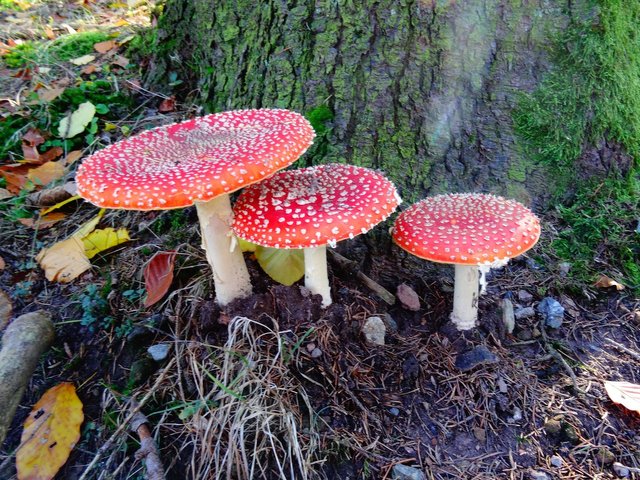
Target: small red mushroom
199,162
469,230
313,207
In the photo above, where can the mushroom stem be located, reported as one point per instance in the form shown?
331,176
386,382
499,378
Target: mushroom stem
465,297
230,274
316,277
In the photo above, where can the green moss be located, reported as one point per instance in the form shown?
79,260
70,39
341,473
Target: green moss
594,91
318,118
21,55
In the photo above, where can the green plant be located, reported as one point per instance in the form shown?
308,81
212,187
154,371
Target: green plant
95,306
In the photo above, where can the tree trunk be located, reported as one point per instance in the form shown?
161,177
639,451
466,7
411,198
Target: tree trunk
421,89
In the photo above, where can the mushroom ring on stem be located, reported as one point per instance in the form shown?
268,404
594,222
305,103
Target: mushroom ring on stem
313,207
199,161
473,231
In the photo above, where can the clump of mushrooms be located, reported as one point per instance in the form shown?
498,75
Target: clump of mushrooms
199,161
474,232
311,208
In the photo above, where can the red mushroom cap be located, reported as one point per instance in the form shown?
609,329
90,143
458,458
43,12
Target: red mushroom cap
313,206
177,165
466,229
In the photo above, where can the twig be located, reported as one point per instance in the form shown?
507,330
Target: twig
352,267
148,449
633,353
555,354
101,451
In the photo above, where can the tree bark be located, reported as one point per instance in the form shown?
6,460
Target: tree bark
421,89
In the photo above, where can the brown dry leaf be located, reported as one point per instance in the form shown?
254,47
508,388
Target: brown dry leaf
30,153
50,196
2,264
625,393
52,153
4,193
73,157
50,432
89,69
48,31
33,137
5,309
44,221
83,60
49,95
104,47
46,173
167,105
158,275
16,176
606,282
120,61
64,261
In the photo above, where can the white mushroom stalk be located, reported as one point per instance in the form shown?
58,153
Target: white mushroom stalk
230,274
465,297
316,277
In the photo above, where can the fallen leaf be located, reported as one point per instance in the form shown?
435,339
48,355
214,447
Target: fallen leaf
52,153
5,309
46,173
606,282
285,266
33,137
49,95
73,124
50,432
30,153
83,60
104,239
158,275
4,193
89,69
246,245
49,196
167,105
43,221
15,176
72,157
64,261
625,393
63,202
104,47
48,31
120,61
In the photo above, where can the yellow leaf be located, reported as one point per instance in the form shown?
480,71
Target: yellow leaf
108,127
60,204
246,245
88,227
284,266
73,124
104,239
50,432
46,173
83,60
606,282
64,261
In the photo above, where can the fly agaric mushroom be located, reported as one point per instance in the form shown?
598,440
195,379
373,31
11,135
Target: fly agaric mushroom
470,230
199,161
312,207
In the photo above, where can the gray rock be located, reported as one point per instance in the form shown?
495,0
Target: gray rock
408,297
508,317
374,331
524,296
311,347
390,323
402,472
316,353
159,352
524,312
502,385
479,355
394,411
564,268
537,475
552,312
620,470
556,461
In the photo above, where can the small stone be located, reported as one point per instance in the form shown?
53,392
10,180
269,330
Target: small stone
636,317
408,297
502,385
479,355
551,311
524,296
537,475
159,352
390,323
394,411
620,470
525,334
569,432
480,434
403,472
605,456
517,415
564,268
316,353
553,427
311,347
524,312
508,317
374,331
556,461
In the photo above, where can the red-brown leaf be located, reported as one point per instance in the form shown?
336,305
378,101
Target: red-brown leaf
625,393
158,275
167,105
33,137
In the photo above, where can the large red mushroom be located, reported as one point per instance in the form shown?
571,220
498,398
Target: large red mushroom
199,161
471,231
311,208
